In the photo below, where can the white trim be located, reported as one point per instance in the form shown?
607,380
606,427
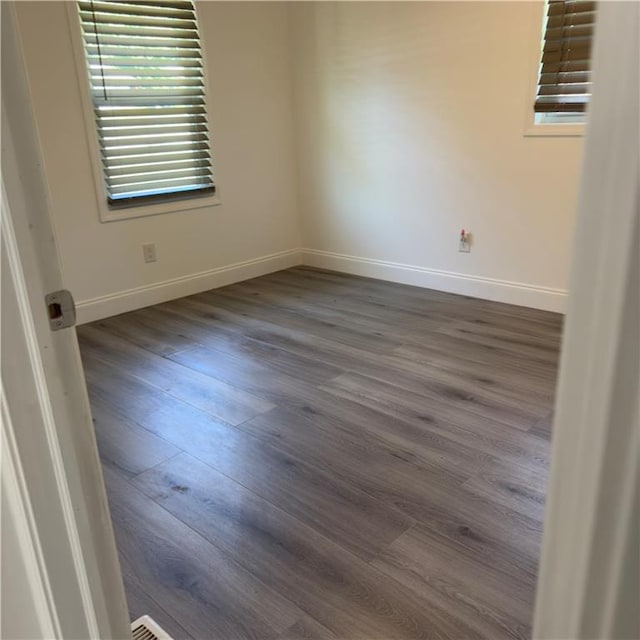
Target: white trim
464,284
48,420
531,127
44,386
19,507
109,305
588,580
108,214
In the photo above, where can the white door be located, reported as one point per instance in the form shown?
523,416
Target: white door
60,576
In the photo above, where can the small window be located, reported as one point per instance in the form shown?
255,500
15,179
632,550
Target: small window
147,88
564,85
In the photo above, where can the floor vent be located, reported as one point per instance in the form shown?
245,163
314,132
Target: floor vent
146,628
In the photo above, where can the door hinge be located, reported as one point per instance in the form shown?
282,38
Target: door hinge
61,309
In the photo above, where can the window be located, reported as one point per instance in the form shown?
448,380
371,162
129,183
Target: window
564,85
147,89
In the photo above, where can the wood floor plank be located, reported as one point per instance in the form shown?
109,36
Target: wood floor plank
425,488
235,340
141,604
307,629
522,490
335,328
142,327
479,359
422,432
542,428
437,386
209,394
311,454
502,394
344,513
497,604
254,377
355,316
538,352
341,592
207,593
427,434
331,442
389,473
427,301
125,446
392,468
439,401
407,323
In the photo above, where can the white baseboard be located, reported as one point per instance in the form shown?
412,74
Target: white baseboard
475,286
113,304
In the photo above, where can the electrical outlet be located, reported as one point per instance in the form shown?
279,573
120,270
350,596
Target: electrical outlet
464,242
149,252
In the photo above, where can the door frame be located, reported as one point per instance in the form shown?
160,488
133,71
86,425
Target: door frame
588,583
64,576
583,589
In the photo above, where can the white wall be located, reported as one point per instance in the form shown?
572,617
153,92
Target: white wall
250,112
409,121
410,127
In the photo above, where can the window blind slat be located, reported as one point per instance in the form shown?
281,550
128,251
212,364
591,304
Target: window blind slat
115,124
113,153
568,43
149,10
136,71
563,77
582,54
141,53
558,105
177,129
109,111
170,194
147,84
567,7
131,81
132,168
125,160
163,186
148,42
564,66
564,89
564,84
571,19
111,17
569,31
140,145
197,173
110,61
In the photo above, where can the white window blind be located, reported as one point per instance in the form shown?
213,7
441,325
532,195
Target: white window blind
564,84
147,87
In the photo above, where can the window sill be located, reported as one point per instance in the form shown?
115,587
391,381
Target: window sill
108,214
555,130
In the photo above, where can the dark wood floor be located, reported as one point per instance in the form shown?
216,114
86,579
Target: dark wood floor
315,455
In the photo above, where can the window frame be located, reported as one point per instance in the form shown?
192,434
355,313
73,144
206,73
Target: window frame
533,127
174,202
